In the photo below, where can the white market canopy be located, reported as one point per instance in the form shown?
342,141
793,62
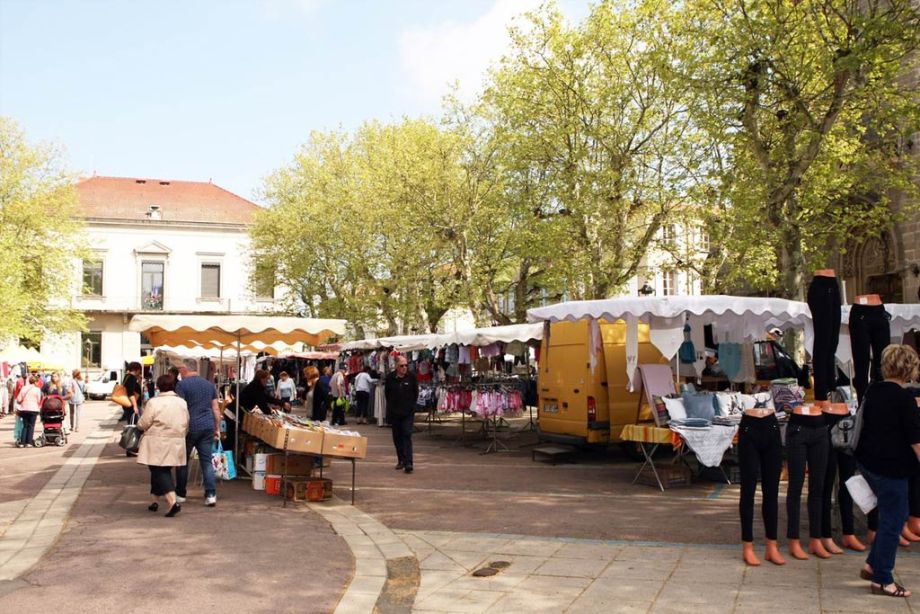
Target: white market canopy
736,318
505,334
474,337
216,330
20,354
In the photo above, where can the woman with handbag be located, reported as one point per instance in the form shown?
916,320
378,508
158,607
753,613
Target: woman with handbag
133,391
162,447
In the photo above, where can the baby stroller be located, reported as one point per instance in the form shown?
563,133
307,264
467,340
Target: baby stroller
53,411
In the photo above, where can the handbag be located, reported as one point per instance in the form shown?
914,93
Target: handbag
130,438
120,395
224,468
845,433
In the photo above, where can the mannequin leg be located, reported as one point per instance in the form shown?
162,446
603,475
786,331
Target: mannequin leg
796,452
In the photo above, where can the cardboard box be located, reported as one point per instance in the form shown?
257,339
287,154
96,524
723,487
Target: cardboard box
258,480
344,446
304,440
297,464
273,435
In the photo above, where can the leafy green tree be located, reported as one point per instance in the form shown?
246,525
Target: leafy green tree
803,108
594,133
40,237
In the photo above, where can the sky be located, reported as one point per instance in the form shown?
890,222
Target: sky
227,90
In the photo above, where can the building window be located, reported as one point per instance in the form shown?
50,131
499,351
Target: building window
91,349
92,278
264,280
152,274
668,233
669,283
210,281
704,241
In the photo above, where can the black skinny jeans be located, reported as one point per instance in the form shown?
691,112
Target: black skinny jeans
807,442
760,449
840,467
824,302
869,331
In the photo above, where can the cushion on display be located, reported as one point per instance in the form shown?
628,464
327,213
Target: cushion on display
675,407
728,403
700,405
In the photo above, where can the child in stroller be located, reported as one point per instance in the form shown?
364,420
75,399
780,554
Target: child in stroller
52,413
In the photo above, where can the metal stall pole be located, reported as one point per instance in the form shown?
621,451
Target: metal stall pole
239,370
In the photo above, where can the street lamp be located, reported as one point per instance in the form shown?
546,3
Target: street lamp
88,352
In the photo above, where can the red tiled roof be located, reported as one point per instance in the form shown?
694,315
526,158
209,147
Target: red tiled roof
128,198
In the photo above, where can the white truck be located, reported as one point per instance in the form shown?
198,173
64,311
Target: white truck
102,386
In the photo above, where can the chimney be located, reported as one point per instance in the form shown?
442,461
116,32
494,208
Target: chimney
153,212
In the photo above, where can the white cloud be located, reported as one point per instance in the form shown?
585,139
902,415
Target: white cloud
435,57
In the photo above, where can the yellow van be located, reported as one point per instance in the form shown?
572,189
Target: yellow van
580,405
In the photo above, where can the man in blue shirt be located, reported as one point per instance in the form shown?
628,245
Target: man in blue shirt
203,429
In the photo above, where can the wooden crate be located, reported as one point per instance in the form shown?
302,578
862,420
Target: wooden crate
297,489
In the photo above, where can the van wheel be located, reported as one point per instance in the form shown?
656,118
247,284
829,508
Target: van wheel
632,451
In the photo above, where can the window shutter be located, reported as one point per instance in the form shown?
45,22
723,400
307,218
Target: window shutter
210,281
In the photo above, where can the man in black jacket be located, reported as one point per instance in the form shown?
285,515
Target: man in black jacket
401,389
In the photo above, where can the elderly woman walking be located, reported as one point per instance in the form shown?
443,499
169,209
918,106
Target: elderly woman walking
164,424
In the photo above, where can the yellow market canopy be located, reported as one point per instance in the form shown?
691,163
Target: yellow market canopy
211,331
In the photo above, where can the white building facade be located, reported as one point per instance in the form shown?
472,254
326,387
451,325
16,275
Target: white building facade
157,246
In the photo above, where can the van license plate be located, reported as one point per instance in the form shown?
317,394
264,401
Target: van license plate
550,408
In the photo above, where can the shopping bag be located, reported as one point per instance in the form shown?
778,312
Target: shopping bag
120,395
130,437
862,493
224,468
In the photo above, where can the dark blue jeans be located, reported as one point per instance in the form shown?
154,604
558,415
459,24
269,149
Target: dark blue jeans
402,437
892,514
203,441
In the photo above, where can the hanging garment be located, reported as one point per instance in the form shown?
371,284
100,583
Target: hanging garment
463,355
870,333
824,303
687,351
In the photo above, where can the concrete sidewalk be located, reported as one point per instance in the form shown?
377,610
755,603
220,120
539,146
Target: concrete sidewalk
568,575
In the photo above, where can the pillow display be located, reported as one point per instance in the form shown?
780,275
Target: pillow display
700,406
675,407
764,400
727,404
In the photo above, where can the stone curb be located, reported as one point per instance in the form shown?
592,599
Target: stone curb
375,548
41,521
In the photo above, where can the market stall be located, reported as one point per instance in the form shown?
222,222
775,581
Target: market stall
674,325
300,447
464,372
238,331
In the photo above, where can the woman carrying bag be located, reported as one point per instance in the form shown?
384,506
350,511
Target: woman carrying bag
162,447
